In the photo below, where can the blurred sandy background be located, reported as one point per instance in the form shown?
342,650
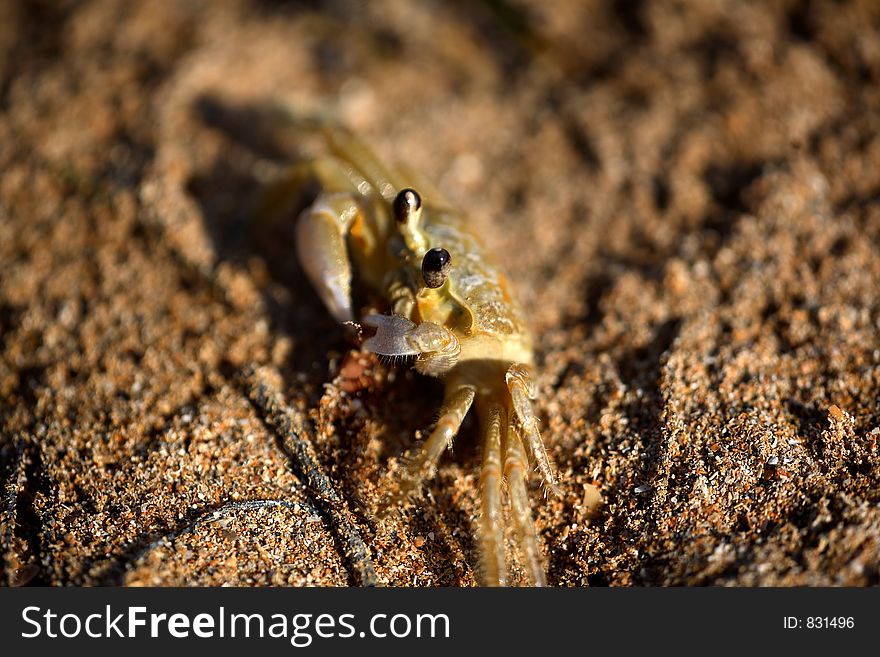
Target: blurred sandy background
686,196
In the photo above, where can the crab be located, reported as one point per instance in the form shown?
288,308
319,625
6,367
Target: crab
451,311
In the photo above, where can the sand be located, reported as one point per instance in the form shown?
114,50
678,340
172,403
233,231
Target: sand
685,197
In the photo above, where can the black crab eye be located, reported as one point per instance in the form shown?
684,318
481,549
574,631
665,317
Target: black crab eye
405,204
435,267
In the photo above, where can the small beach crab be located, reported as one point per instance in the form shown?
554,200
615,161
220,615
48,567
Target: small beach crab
451,311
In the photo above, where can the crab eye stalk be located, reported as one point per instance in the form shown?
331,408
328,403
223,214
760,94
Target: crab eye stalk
435,267
406,205
407,209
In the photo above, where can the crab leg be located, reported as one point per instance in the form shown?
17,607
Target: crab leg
515,473
492,521
348,147
522,389
421,467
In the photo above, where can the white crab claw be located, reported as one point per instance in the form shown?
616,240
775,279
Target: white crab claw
391,335
323,255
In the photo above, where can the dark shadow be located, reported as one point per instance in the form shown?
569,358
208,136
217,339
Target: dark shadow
250,126
23,476
728,183
605,270
506,29
811,421
226,193
642,368
728,186
40,30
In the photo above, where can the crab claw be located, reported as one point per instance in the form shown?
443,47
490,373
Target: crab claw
391,336
436,346
321,248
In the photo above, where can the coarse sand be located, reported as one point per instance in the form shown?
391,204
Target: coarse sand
685,197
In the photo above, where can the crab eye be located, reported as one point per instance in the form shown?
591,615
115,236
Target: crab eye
435,267
405,204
